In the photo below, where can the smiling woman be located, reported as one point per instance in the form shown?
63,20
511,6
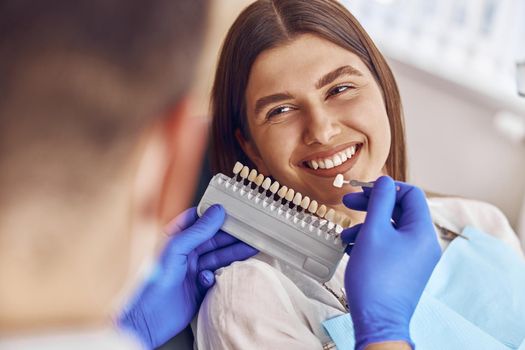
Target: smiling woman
302,94
265,26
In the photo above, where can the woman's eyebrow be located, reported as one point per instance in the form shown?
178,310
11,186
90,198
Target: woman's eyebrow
336,73
324,80
266,100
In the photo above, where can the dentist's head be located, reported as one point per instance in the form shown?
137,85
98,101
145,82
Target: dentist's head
93,115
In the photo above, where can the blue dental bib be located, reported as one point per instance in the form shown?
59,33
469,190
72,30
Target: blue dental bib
475,299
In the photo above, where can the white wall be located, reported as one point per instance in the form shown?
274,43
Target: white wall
453,146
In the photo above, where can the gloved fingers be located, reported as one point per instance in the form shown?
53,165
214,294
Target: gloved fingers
182,221
356,201
221,239
396,215
206,279
349,235
359,200
401,189
225,256
381,202
413,207
202,230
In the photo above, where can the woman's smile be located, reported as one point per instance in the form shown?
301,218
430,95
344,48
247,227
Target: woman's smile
332,162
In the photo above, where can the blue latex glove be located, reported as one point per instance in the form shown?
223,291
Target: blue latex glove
171,297
391,262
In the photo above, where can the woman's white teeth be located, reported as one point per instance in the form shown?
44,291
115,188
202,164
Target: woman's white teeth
333,161
337,160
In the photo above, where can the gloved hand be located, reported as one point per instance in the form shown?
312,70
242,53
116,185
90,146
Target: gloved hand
171,297
391,262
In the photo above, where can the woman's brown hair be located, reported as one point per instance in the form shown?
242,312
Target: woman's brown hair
269,23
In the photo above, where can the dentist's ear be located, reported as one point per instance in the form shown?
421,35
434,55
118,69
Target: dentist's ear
166,163
186,138
251,151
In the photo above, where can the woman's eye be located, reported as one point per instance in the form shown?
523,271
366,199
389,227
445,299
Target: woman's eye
339,89
279,110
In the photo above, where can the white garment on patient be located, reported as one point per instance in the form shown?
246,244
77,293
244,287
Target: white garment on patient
260,304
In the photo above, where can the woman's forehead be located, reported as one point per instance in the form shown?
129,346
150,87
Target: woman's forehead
301,61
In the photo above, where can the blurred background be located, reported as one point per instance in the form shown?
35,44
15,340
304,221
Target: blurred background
455,62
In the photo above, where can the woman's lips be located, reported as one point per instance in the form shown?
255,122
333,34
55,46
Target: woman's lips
340,169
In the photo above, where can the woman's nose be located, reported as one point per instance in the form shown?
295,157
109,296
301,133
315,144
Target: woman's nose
320,127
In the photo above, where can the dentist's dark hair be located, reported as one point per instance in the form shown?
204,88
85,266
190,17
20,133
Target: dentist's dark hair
266,24
80,80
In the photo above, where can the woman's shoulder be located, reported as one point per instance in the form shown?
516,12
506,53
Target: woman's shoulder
456,213
461,212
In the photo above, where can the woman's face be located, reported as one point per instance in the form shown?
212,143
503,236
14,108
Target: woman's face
314,110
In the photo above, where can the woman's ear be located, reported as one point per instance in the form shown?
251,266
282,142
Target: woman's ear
251,151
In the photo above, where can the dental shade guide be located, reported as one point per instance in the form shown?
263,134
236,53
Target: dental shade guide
279,221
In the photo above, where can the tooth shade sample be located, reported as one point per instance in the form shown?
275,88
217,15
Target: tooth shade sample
346,222
338,181
305,202
289,195
266,183
321,212
341,219
337,217
282,191
297,199
237,168
312,208
330,215
259,179
275,187
245,172
253,175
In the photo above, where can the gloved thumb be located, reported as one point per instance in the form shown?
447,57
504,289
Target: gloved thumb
382,201
206,279
202,230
